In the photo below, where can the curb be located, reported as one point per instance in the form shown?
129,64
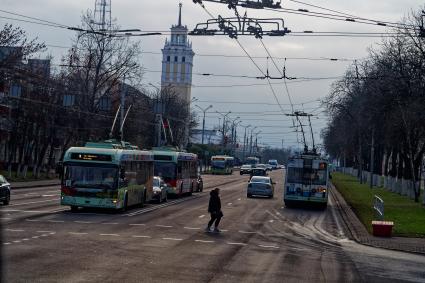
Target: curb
358,233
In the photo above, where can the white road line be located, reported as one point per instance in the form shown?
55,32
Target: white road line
52,233
50,195
24,211
55,221
236,244
77,233
239,198
26,239
173,239
15,230
6,243
191,228
201,216
271,221
270,247
35,237
32,220
112,235
136,224
203,241
83,222
229,203
141,236
247,232
5,218
111,223
44,235
17,241
45,231
224,230
164,226
33,202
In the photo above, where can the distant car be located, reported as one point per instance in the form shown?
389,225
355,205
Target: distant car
260,186
160,190
269,167
264,166
199,184
282,166
258,172
4,190
273,163
245,169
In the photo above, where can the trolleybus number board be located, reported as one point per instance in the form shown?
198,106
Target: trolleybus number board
91,157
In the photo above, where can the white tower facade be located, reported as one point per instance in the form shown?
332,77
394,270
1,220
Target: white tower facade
177,61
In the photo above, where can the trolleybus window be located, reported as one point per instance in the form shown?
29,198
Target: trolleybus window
166,170
307,176
87,176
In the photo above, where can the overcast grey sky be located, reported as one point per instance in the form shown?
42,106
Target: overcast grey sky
223,93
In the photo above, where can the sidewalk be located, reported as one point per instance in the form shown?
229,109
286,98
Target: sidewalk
358,233
35,184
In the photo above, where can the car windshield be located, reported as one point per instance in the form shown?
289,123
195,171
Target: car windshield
246,167
307,176
166,170
94,176
2,180
156,182
260,180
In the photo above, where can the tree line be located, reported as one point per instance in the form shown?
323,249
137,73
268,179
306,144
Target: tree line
377,110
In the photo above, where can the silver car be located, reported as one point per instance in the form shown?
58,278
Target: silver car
160,190
260,186
4,190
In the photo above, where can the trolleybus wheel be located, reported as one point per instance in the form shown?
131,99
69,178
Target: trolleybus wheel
124,208
248,195
74,208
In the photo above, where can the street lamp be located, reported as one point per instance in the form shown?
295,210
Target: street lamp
224,123
203,120
244,142
250,143
256,138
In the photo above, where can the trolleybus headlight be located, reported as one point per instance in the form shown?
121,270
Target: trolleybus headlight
114,201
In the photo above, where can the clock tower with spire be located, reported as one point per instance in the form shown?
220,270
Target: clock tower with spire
177,61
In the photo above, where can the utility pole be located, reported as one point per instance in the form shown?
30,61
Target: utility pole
244,143
224,127
203,120
250,142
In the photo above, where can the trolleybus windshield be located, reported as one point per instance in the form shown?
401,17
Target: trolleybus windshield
307,176
94,176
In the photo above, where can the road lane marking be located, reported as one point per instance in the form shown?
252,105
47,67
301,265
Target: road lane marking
236,244
110,223
229,203
15,230
224,230
112,235
5,218
77,233
172,239
268,247
6,243
141,236
191,228
239,199
164,226
32,220
204,241
50,195
247,232
33,202
17,241
56,221
35,237
83,222
26,239
136,224
201,216
44,235
24,211
271,221
45,231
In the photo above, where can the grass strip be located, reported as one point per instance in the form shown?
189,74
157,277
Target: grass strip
408,216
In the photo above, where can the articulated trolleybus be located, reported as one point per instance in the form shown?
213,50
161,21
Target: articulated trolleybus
307,180
178,169
222,164
104,176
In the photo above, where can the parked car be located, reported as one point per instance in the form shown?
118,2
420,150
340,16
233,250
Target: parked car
4,190
260,186
160,190
199,184
245,169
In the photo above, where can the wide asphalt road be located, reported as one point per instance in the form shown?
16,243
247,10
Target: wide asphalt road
262,241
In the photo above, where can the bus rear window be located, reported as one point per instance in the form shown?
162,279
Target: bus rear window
306,176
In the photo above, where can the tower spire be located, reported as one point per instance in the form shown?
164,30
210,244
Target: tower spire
180,14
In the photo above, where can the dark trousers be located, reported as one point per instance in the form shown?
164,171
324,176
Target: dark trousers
214,217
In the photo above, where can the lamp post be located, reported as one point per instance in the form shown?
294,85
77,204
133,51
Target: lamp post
250,142
233,129
256,138
203,120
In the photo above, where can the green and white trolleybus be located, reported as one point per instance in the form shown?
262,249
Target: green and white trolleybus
102,177
307,180
222,164
178,169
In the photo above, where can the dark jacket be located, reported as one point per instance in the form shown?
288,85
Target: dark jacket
214,205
